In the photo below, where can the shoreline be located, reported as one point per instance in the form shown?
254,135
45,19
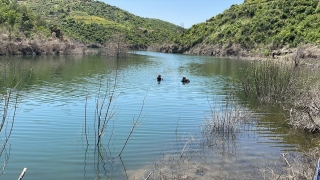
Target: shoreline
45,46
306,55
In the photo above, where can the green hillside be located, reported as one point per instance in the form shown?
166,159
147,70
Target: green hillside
20,21
276,23
254,24
95,21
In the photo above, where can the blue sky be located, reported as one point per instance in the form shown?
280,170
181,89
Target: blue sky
179,12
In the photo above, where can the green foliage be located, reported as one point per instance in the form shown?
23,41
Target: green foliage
88,32
266,52
96,22
193,35
256,22
16,17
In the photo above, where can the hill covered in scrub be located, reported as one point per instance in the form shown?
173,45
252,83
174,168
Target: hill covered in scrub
95,22
24,32
20,21
255,25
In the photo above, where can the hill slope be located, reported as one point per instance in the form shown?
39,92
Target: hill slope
19,20
255,24
95,21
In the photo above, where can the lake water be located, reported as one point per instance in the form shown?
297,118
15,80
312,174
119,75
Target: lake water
58,110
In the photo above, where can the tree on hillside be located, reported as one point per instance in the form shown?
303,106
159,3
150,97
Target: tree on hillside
11,20
27,21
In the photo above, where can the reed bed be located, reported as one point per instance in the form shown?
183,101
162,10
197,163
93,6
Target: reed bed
272,82
225,119
288,86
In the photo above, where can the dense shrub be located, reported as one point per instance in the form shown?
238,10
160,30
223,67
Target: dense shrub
259,22
17,18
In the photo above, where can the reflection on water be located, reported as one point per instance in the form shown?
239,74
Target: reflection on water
56,130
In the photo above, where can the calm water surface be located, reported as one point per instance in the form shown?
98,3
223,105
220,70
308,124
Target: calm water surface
49,131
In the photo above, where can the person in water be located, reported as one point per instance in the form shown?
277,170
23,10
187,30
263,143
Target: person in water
159,78
185,80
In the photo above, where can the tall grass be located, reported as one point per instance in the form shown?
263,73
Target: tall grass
271,82
288,86
225,119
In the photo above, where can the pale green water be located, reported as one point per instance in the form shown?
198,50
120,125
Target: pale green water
48,135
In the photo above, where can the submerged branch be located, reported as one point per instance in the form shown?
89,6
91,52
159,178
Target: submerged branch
135,123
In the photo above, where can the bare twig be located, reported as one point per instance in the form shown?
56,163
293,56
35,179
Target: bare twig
22,173
9,107
135,123
284,157
148,176
185,145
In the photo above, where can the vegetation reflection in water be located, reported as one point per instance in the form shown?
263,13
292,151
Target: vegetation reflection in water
62,94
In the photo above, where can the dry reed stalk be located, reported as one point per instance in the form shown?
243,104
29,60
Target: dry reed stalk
105,111
9,103
289,87
22,173
305,113
135,123
225,119
271,82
